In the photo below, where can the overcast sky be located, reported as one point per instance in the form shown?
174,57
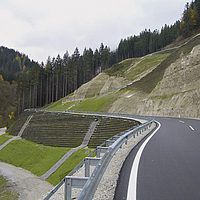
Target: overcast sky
42,28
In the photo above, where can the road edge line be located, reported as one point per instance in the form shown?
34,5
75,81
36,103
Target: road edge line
132,186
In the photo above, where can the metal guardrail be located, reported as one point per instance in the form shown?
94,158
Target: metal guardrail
91,185
90,182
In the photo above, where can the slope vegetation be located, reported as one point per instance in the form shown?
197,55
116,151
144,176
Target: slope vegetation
161,84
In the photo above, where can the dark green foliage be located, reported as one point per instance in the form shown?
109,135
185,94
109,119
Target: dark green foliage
148,42
191,18
44,84
12,63
7,103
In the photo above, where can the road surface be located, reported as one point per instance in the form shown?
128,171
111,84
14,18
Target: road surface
165,167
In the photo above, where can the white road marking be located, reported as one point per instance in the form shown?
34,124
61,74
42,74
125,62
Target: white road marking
191,128
188,124
131,194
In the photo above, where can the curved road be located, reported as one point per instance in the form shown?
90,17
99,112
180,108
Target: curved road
165,167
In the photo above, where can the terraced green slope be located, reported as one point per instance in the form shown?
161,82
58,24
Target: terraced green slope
61,129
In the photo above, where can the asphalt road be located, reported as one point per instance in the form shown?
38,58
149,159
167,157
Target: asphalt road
169,166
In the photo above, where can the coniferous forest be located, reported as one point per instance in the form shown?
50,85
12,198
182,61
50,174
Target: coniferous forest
39,84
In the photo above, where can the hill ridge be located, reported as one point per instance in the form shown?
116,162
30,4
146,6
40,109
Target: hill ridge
145,94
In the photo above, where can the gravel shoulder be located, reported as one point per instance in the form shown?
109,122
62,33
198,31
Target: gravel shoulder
26,184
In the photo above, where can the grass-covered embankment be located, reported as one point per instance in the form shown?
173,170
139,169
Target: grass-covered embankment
4,138
100,103
58,105
68,166
133,68
38,158
97,104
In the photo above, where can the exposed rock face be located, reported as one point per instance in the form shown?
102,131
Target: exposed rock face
177,94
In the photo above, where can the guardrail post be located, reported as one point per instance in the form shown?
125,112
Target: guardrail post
109,142
101,150
115,137
68,188
126,141
90,161
71,181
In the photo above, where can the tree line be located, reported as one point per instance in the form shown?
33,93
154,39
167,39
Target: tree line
151,41
191,18
12,63
148,41
58,77
40,84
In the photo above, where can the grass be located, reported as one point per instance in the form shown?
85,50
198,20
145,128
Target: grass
68,166
38,158
119,69
93,104
31,156
10,127
147,63
52,105
126,69
5,192
58,105
97,104
149,82
4,138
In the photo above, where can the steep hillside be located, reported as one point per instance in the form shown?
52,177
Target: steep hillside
163,84
119,75
176,92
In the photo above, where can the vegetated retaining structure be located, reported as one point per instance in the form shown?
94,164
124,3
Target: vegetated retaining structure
90,181
64,129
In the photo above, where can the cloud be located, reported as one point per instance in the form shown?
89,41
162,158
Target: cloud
41,28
